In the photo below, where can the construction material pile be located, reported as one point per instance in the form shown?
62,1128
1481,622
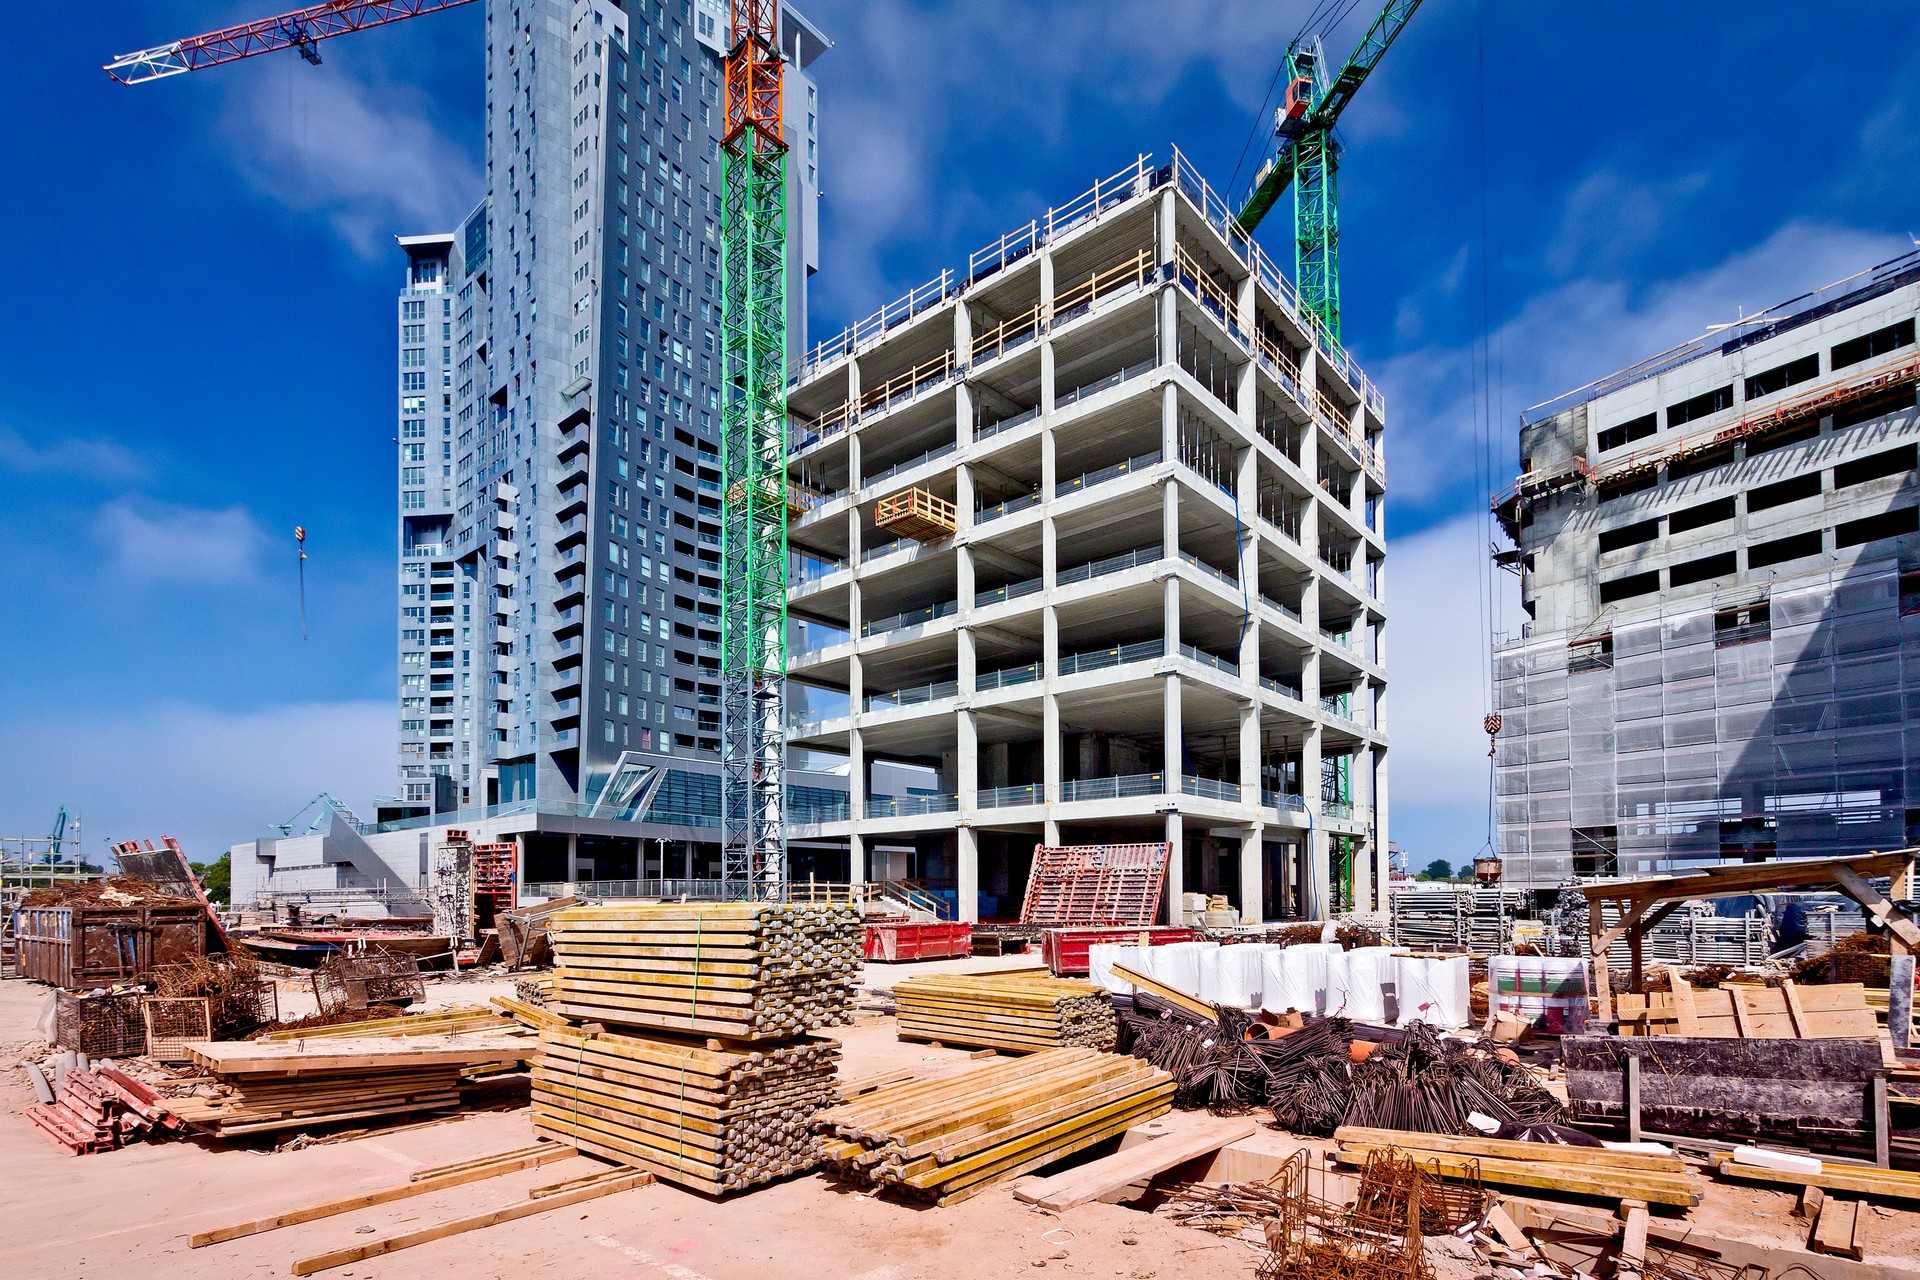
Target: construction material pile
95,1109
1657,1177
710,1119
1020,1013
1329,1072
263,1085
364,979
746,971
1861,957
946,1139
240,998
112,891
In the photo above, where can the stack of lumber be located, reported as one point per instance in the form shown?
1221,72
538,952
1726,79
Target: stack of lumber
1786,1012
99,1110
1828,1175
1657,1177
944,1140
465,1020
749,971
989,1011
265,1085
710,1119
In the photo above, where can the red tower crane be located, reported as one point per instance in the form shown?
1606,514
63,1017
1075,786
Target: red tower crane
303,29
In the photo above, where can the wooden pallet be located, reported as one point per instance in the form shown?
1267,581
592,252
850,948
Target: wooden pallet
1742,1011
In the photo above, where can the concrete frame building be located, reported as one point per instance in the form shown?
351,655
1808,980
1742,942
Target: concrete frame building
565,546
1719,552
1090,542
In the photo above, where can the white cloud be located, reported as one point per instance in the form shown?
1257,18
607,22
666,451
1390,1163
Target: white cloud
1583,329
101,460
1610,215
158,544
367,157
205,776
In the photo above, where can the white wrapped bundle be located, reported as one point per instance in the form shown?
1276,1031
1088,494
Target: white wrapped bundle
1102,956
1234,975
1367,970
1177,965
1296,978
1433,990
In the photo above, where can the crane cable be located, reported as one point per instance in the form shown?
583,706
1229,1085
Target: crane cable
1484,429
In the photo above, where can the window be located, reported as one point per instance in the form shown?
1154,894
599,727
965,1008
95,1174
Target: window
413,500
1869,345
1782,376
1701,516
413,382
1768,496
1688,572
1873,407
413,311
1891,525
1874,467
1780,550
1629,535
1638,483
1634,584
1757,445
1696,407
1700,463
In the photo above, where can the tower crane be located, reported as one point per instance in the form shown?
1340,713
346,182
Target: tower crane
1308,159
753,323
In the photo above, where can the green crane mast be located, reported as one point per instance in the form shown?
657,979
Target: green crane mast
1309,161
753,419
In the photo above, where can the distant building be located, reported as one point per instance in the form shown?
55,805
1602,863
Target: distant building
559,471
1719,552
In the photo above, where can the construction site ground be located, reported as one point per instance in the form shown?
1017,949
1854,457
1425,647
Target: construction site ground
129,1213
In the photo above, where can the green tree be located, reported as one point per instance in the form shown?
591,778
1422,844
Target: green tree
216,878
1439,869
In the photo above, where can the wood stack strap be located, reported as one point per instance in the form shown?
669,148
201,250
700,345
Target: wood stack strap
1021,1014
741,971
713,1120
946,1139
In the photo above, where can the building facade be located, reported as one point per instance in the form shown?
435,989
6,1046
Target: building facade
1720,558
565,548
1088,547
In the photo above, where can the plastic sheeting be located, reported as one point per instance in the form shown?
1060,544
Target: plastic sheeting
1436,991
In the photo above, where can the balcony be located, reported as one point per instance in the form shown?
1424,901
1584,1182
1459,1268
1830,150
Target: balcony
1091,478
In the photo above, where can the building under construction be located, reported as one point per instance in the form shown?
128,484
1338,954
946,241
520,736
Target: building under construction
1719,551
1088,541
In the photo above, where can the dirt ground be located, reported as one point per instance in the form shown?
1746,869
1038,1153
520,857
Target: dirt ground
128,1213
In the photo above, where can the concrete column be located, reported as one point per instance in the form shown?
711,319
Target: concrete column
1164,228
1363,879
968,751
853,429
967,874
1050,831
1252,849
1176,867
573,858
1170,614
1383,875
688,860
962,336
1315,892
1172,730
856,779
856,859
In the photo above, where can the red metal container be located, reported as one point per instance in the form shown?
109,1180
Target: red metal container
893,940
1065,950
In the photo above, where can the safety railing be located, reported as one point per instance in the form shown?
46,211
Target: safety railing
910,618
1008,797
1012,591
1011,506
1282,688
1123,787
914,696
938,451
1209,788
1198,281
1285,610
1189,558
1111,564
890,316
1087,480
1116,281
1008,335
902,387
1102,384
1119,655
1206,659
910,806
984,430
1285,801
1006,677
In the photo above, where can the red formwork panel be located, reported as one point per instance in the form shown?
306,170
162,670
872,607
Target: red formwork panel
893,940
1095,884
1065,950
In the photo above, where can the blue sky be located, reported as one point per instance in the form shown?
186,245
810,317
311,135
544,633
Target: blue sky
200,351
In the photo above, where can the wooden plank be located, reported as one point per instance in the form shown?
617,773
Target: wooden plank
1898,923
1683,1007
438,1180
1172,995
1840,1230
1632,1096
1796,1012
1510,1149
620,1180
1123,1168
1738,999
1633,1239
1863,1180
